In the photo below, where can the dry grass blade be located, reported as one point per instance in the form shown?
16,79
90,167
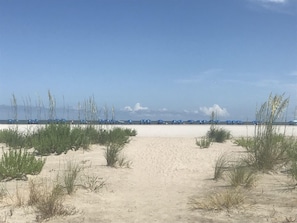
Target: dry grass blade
93,183
223,200
242,176
48,201
221,166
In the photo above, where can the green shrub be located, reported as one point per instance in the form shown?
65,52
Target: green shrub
218,135
59,138
203,143
117,136
18,163
130,132
80,138
53,138
13,138
88,134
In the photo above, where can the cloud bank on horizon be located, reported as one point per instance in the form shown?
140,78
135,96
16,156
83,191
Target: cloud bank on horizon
204,112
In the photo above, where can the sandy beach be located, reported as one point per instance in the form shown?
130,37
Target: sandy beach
167,170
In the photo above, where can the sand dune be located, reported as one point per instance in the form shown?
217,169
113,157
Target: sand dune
167,170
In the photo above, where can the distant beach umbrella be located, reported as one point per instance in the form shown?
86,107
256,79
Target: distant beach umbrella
160,121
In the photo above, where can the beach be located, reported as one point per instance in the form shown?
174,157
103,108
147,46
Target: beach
167,170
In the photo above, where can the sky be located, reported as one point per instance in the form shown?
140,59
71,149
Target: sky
152,59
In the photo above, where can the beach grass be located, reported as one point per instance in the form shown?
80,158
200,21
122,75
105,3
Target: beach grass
269,147
203,142
17,163
48,200
221,165
240,175
13,138
70,176
219,135
218,201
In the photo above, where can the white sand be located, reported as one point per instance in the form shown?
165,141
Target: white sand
168,169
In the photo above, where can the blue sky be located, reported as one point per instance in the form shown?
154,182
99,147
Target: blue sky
169,59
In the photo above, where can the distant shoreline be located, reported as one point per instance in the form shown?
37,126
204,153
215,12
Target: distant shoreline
139,122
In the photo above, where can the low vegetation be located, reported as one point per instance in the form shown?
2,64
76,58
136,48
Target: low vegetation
13,138
70,176
116,136
17,163
267,150
203,142
113,156
242,176
216,134
221,165
60,138
47,197
217,201
92,183
48,200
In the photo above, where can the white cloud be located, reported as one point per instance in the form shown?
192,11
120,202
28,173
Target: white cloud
128,108
137,107
218,111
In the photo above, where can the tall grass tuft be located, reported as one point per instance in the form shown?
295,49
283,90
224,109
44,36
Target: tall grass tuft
216,134
203,142
112,154
48,201
14,107
269,147
70,176
221,165
292,154
51,106
241,175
